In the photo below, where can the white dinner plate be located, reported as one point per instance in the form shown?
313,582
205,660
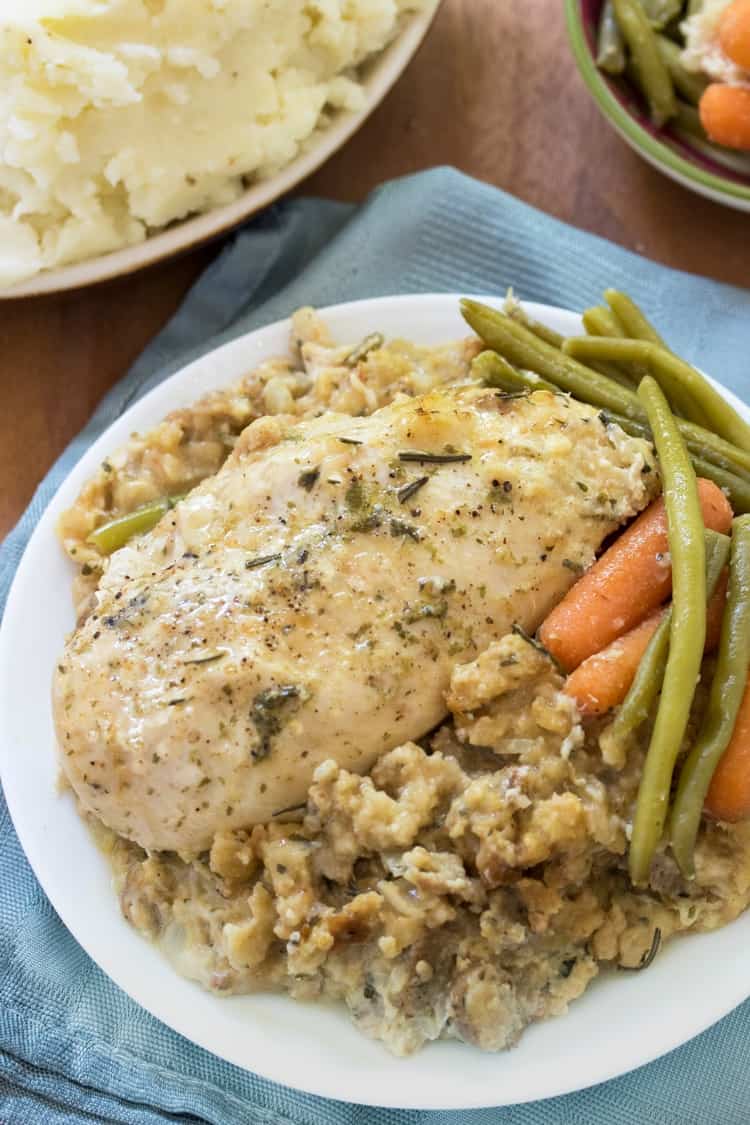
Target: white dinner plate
623,1021
378,75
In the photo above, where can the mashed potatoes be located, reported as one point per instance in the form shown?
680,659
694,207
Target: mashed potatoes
120,116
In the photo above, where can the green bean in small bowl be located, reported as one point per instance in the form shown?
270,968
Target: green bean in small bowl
673,78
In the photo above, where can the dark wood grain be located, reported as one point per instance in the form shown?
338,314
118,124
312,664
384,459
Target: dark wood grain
494,92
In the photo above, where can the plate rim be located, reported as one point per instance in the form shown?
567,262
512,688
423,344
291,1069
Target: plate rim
382,72
278,1073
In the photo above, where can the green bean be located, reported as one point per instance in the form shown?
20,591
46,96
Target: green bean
727,689
634,323
634,354
116,533
661,12
610,45
655,80
737,489
690,389
494,371
687,634
636,707
725,473
599,321
688,119
688,83
688,125
635,429
541,331
524,351
613,372
694,7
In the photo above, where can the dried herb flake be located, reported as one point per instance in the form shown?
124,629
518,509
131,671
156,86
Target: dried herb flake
270,710
263,560
308,479
410,490
433,458
401,529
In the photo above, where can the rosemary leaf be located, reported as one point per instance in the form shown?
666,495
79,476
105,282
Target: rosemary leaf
410,490
433,458
263,560
521,632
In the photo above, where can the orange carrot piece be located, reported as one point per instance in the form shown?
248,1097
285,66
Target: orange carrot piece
734,32
725,115
728,796
602,681
630,580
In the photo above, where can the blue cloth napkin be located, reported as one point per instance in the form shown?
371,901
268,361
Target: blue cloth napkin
73,1048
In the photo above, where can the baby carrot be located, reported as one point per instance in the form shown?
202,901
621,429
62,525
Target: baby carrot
603,680
625,585
728,796
725,115
734,32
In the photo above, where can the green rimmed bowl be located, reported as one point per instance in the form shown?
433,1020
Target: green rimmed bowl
673,154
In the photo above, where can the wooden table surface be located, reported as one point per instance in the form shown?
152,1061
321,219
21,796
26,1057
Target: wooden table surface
494,92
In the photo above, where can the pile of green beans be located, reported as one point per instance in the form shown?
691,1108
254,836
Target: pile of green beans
519,360
541,331
687,630
630,320
495,370
647,63
636,707
689,394
640,42
532,359
727,690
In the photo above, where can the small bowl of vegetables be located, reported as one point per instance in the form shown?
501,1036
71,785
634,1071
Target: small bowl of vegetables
673,78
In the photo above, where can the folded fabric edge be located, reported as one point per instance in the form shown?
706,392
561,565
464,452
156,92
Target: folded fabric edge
101,1068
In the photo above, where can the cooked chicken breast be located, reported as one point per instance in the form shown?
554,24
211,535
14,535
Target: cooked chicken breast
311,599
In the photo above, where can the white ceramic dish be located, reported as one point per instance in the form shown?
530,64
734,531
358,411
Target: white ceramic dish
625,1020
379,75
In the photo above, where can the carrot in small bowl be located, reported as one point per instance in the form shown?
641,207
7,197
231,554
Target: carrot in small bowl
725,115
734,32
630,580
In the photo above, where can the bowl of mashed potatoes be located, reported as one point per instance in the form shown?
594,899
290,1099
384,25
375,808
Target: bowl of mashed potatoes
133,129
